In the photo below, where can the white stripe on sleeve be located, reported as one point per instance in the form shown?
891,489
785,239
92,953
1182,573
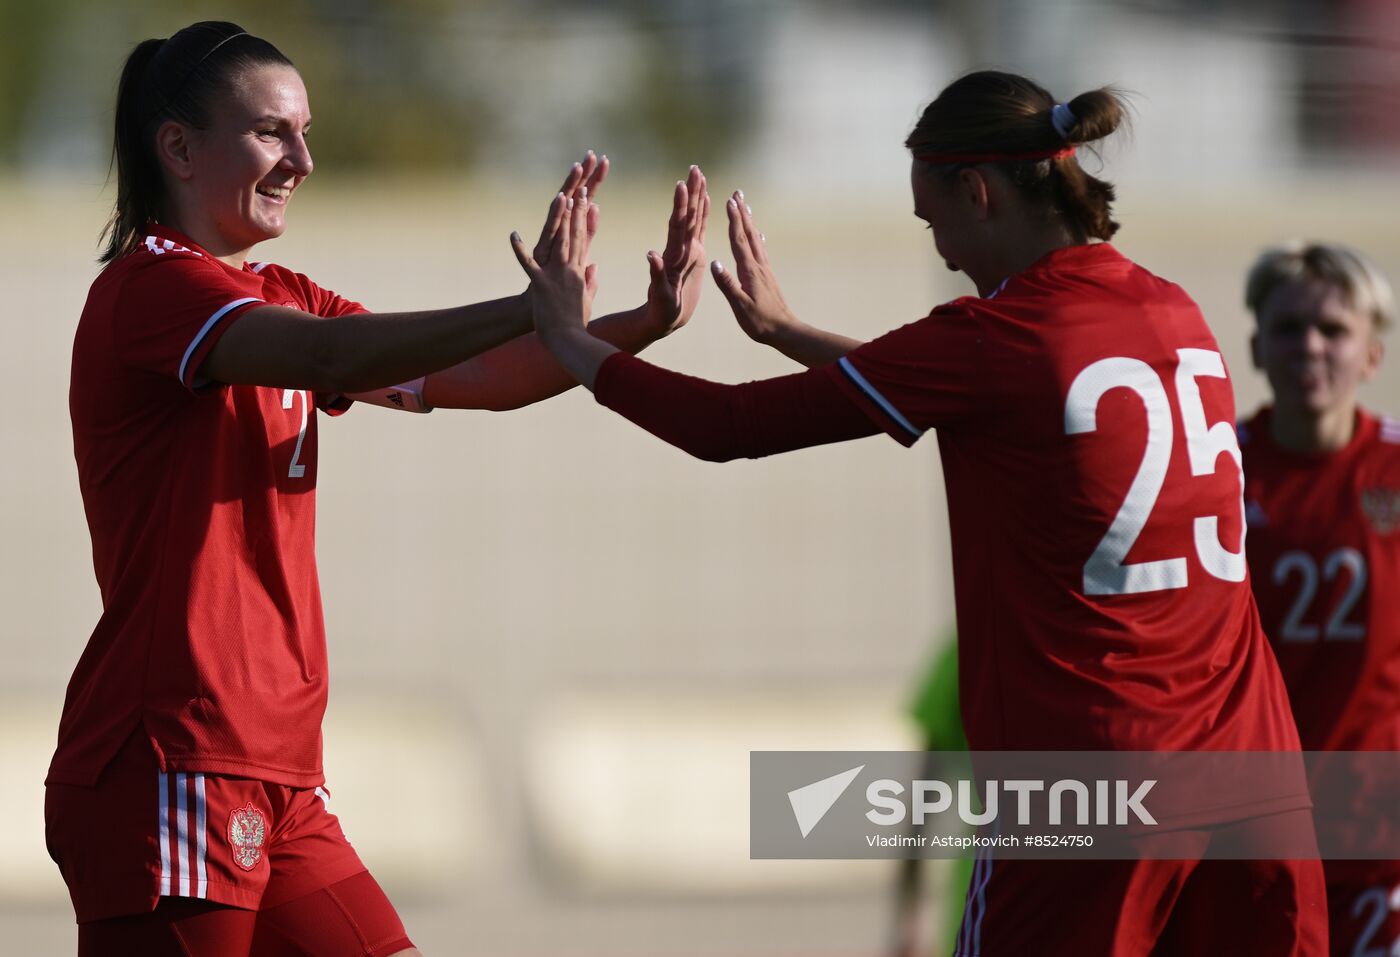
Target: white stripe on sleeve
874,395
210,323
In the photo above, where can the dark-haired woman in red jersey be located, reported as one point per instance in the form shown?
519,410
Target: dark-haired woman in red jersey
186,804
1085,423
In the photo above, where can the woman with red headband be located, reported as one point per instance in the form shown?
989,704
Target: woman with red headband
1084,418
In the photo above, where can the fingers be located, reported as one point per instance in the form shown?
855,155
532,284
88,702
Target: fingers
738,235
596,177
579,215
526,261
751,233
675,226
704,211
695,186
558,208
559,238
588,173
575,177
593,214
729,285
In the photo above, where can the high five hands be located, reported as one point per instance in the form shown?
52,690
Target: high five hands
675,277
752,289
563,280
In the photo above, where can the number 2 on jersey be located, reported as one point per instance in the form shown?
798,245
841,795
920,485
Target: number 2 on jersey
297,468
1105,572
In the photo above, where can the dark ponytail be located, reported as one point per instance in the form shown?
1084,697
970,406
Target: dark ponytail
1012,121
174,79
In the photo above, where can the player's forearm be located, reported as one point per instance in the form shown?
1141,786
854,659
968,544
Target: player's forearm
808,345
718,422
284,347
579,353
523,371
379,349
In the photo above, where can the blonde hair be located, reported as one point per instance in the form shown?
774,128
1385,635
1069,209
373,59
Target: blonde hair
1363,285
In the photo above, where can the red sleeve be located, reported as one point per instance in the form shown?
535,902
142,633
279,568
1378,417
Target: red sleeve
318,302
928,374
172,309
721,422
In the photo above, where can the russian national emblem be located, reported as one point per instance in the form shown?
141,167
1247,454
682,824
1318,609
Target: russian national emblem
1381,506
247,828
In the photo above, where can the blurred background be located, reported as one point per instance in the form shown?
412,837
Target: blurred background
554,640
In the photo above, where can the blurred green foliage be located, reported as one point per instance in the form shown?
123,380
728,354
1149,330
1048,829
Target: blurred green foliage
410,85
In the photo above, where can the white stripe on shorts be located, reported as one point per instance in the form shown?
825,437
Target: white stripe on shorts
164,833
201,843
182,833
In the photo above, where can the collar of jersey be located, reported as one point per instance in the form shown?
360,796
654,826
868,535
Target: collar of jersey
1364,430
174,235
1068,259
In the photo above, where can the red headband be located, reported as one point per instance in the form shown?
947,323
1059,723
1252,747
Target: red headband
948,158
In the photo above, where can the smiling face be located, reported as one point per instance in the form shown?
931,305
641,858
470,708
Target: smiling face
1315,347
238,175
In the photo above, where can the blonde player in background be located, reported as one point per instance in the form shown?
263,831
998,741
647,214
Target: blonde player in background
1322,497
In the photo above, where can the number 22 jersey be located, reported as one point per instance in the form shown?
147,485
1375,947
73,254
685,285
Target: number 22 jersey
1086,427
200,499
1324,554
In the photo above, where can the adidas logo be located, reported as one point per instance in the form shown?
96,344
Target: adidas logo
396,398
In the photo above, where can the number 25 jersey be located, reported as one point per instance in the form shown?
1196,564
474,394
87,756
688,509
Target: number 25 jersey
200,499
1086,427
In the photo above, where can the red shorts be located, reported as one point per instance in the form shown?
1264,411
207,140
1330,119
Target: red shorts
143,835
1363,906
1137,908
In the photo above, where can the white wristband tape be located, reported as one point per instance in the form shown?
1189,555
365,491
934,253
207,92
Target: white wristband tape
408,397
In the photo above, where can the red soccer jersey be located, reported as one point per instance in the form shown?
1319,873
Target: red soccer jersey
1324,558
200,499
1086,426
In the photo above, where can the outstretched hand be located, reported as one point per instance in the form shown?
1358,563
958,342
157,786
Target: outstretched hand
675,285
751,288
562,280
584,180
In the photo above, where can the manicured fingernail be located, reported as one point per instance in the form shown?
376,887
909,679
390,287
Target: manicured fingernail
694,167
739,193
732,205
603,158
585,193
762,238
717,266
570,204
514,236
748,208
